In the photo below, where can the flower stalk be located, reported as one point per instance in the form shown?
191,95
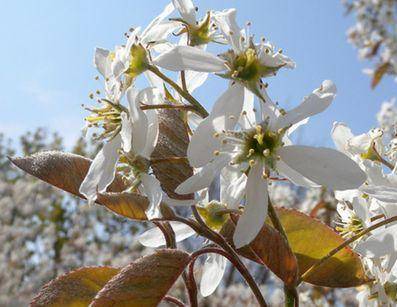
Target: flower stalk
194,102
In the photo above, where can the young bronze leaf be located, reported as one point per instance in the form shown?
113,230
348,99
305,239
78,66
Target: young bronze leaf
172,142
145,282
269,248
66,171
311,240
76,288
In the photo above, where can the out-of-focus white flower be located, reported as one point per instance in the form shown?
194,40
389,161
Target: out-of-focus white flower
374,33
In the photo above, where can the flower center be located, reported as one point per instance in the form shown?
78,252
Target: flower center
107,117
350,227
200,34
246,66
261,143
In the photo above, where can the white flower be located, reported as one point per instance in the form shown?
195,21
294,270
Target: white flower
121,66
261,150
138,137
246,63
355,219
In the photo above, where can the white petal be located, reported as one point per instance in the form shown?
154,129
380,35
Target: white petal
297,125
248,120
255,210
361,209
204,177
233,183
189,58
101,61
155,238
324,166
294,176
186,9
152,133
102,170
359,144
194,79
139,122
382,193
224,116
154,193
226,21
213,270
379,244
126,132
341,134
159,34
313,104
151,33
276,59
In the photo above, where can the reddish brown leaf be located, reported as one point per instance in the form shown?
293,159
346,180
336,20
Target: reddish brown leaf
173,141
144,282
269,248
74,289
66,171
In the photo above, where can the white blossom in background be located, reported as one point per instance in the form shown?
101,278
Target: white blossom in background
375,33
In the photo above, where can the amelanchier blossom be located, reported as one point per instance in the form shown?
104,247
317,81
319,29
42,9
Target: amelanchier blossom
260,150
137,137
122,65
246,63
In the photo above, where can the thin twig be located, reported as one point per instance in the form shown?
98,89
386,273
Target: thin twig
220,240
183,79
173,300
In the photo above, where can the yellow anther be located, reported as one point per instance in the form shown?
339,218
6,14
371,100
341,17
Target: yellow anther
250,152
266,152
217,153
251,162
91,95
216,134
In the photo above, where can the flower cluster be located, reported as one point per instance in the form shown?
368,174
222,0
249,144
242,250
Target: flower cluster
244,142
371,205
215,174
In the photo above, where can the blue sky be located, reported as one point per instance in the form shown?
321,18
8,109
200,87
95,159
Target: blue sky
46,59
